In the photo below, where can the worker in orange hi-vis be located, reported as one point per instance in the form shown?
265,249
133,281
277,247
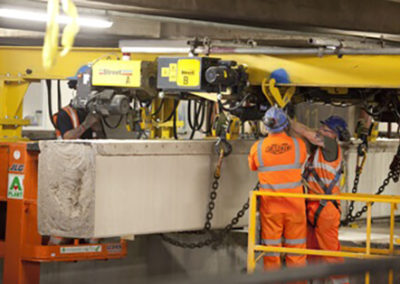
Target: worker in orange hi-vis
279,159
322,173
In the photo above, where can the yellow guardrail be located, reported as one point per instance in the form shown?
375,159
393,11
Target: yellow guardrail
349,252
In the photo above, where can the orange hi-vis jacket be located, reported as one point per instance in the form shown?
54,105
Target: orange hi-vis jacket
73,115
323,177
326,171
278,160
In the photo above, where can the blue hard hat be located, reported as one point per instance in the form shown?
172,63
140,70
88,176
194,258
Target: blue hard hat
275,120
81,70
336,124
280,75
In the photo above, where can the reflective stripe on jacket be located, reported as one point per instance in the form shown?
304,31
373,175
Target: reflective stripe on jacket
73,115
325,170
278,160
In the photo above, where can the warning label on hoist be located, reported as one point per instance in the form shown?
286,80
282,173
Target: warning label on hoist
80,249
117,73
182,73
15,187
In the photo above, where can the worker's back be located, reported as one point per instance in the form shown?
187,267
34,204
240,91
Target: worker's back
279,160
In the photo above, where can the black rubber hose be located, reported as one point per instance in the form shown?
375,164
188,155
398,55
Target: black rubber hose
173,111
190,121
113,126
158,109
59,95
50,108
202,108
194,126
236,106
189,114
175,131
199,116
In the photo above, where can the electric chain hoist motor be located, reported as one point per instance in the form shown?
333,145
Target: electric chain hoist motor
200,74
108,86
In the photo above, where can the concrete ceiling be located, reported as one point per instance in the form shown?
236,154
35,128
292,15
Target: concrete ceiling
273,22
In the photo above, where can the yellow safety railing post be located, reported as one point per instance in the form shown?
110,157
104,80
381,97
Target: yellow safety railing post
251,263
369,217
392,219
391,242
368,244
348,252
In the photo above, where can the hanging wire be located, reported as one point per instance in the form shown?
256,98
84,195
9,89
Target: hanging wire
50,107
113,126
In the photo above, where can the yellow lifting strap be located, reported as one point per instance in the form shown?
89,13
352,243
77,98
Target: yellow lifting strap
273,94
50,46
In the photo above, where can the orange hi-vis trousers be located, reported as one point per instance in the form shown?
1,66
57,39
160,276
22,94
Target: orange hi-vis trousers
324,235
283,229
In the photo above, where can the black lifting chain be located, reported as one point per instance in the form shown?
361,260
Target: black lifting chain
361,156
394,173
214,238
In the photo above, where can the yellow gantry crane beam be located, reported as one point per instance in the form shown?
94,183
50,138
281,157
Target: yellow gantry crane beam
358,71
21,65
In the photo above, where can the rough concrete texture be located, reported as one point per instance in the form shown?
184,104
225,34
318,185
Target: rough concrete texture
66,171
114,188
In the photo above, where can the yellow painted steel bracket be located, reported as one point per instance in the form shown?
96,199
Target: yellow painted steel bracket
19,66
11,100
25,63
274,95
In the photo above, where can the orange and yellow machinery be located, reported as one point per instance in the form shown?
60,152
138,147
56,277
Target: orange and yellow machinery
24,249
21,246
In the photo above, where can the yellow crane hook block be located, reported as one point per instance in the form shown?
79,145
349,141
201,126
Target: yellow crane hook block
273,94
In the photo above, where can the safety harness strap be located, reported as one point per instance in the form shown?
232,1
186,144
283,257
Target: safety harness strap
319,210
327,190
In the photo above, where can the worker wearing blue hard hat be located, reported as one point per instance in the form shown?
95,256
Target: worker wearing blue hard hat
81,70
74,123
73,80
279,159
322,174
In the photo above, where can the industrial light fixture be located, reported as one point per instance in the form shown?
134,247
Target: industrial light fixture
37,16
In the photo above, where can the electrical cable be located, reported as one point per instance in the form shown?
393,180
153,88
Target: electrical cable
197,110
176,102
114,126
199,113
189,114
50,108
158,109
202,119
236,106
190,120
365,108
59,95
174,128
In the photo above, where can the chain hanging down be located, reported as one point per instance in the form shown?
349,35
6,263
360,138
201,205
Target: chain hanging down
394,174
224,149
361,159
